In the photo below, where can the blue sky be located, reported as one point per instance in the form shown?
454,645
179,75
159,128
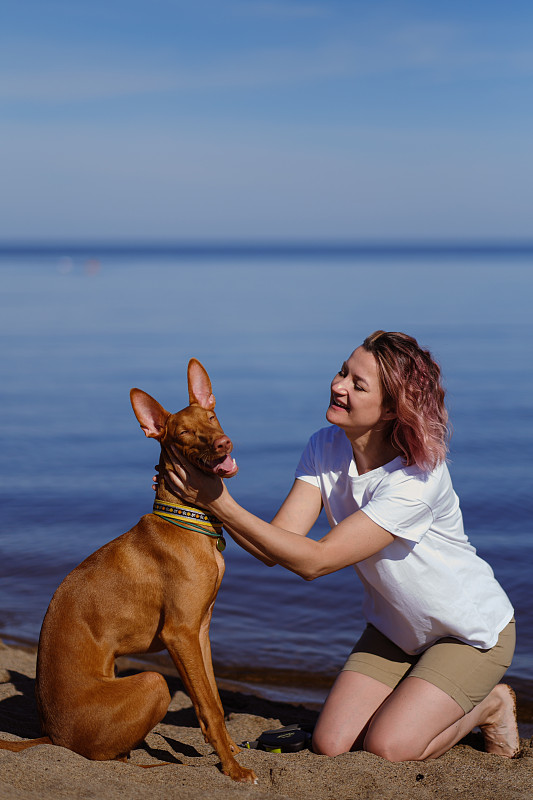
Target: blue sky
242,119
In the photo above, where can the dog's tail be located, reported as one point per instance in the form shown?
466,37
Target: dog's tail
16,747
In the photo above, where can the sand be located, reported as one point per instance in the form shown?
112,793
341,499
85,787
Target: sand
192,772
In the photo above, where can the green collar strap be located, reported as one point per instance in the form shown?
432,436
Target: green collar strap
192,519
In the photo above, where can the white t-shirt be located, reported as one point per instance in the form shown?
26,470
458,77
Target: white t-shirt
429,583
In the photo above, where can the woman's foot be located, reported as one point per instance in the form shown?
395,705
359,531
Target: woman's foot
500,731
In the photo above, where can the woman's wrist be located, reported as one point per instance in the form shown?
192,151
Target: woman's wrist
222,505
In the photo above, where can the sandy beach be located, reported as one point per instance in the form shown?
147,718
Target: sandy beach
191,771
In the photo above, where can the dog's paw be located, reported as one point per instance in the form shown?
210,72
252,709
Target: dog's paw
241,774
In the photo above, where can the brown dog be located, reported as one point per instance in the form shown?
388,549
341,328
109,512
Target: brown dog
152,588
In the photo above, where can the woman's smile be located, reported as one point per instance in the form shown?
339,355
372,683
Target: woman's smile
337,403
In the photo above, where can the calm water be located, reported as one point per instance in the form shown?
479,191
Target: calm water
76,470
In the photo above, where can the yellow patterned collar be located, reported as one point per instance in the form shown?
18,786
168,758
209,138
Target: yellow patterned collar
192,519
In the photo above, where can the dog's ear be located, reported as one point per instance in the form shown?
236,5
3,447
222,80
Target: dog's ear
199,385
151,416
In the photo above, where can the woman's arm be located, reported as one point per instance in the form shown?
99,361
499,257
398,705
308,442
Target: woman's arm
298,514
352,540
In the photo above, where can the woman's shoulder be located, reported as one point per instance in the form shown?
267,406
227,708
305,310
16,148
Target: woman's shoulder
327,433
324,454
328,449
329,438
413,481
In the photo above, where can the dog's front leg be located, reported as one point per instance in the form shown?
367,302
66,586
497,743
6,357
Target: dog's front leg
189,661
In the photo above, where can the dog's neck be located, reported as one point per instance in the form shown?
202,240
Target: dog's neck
191,519
164,492
164,495
173,509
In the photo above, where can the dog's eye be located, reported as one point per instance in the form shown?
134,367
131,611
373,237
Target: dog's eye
212,418
182,433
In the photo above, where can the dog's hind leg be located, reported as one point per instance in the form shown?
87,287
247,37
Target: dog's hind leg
112,717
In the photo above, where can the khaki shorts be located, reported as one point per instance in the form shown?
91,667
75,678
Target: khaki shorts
465,673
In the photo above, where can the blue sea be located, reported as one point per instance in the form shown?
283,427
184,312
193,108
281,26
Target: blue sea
80,326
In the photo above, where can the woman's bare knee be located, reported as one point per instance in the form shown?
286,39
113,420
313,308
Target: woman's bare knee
328,744
350,705
395,737
392,747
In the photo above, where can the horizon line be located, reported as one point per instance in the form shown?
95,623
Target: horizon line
267,247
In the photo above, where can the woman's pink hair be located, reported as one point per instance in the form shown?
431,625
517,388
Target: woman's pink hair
411,385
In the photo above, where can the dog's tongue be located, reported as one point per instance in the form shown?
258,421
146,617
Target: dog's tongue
224,466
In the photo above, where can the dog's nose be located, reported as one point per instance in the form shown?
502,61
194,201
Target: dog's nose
223,445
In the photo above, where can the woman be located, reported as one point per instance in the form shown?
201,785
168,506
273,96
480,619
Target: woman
440,631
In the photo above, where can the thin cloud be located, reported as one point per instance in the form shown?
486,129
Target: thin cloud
287,10
93,79
87,74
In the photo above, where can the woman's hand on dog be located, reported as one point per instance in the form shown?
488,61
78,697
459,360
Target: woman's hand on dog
190,483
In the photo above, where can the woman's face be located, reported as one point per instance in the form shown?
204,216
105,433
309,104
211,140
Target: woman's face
356,396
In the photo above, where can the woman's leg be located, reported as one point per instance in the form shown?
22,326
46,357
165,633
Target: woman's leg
420,718
420,721
452,688
350,705
374,667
